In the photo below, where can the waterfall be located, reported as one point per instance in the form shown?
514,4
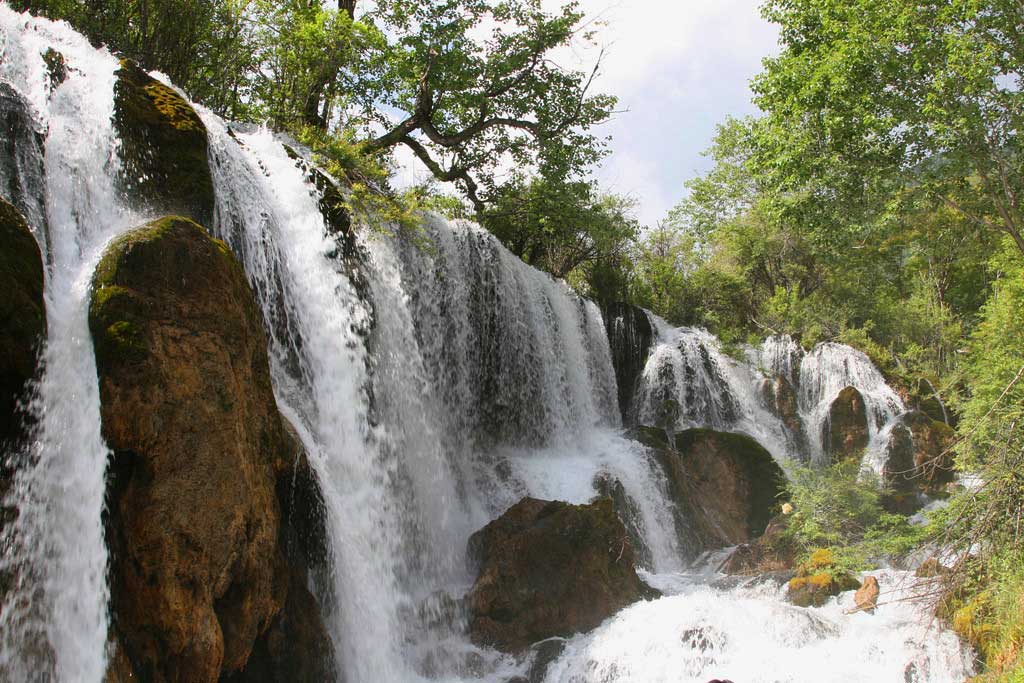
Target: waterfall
689,382
54,619
434,380
824,372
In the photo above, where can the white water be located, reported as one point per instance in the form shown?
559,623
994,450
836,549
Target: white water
749,634
55,617
689,382
457,381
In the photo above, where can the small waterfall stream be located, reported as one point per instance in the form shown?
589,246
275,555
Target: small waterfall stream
431,393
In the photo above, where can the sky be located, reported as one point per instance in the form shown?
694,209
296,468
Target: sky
678,67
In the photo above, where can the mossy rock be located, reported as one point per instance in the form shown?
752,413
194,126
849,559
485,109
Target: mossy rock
933,457
163,148
818,579
22,314
193,523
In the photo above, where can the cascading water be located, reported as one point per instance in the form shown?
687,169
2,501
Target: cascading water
431,392
54,619
824,372
689,382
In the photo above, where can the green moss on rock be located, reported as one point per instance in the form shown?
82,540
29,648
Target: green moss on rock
819,579
163,147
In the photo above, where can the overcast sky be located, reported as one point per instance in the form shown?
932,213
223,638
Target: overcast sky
679,67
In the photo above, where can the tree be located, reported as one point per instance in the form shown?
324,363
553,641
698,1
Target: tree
472,108
567,229
871,99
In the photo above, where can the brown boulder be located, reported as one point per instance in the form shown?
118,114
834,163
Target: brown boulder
866,597
728,484
548,568
846,430
919,459
774,551
197,571
933,458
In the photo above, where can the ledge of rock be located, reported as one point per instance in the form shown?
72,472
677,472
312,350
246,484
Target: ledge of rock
728,483
163,146
781,399
547,569
193,523
846,430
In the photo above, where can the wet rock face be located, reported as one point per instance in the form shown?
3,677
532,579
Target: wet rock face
197,571
846,431
728,483
919,458
547,569
630,338
163,147
781,399
22,316
22,180
773,552
933,461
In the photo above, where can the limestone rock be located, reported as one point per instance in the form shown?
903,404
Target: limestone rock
846,431
933,460
781,399
163,147
547,569
197,571
772,552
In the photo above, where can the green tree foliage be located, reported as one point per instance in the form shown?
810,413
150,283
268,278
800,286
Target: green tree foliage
572,230
840,508
869,100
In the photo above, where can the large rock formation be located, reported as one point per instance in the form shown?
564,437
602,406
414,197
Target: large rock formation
194,523
22,315
773,552
163,147
728,484
846,430
548,568
630,338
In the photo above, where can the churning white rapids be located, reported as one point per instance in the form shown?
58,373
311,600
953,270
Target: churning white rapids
432,392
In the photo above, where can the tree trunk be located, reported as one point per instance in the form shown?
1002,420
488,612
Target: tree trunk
348,6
